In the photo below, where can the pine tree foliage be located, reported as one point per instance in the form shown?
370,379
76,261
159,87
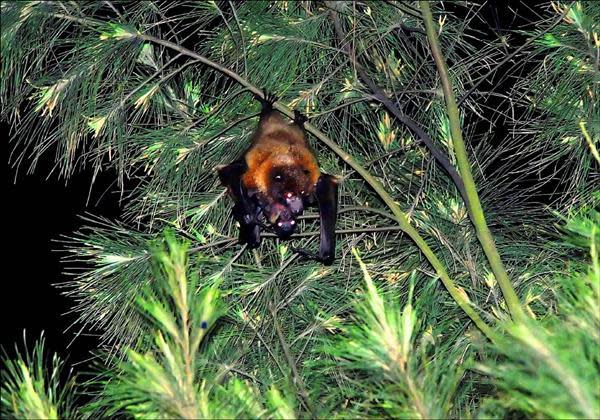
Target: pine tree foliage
174,378
160,93
385,362
380,342
562,102
550,368
35,388
177,377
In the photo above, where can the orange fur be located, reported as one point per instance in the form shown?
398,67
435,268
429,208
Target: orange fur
277,144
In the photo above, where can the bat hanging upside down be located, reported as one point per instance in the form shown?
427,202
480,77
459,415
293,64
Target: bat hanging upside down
276,178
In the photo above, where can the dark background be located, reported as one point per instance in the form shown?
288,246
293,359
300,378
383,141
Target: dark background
41,209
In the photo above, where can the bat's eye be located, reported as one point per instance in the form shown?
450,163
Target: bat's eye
278,177
306,172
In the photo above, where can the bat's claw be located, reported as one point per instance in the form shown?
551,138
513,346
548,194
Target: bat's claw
299,118
313,257
267,99
271,98
304,254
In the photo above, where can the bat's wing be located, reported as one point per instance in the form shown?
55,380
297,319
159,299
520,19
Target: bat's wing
327,197
244,210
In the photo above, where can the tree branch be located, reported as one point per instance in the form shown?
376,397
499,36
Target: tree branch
473,204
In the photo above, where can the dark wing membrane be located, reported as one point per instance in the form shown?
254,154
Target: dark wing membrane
244,210
327,197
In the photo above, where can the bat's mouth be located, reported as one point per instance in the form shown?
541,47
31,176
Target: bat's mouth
294,203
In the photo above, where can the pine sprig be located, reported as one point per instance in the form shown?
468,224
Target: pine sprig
539,373
34,386
380,339
171,379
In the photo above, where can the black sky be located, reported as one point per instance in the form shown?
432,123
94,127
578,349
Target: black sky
38,212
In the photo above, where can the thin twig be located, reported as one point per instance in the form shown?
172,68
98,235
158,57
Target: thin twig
229,127
466,95
226,241
229,241
340,232
353,208
380,95
235,17
379,158
296,379
327,111
214,111
114,9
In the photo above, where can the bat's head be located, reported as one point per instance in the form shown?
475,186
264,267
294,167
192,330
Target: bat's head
290,185
287,188
283,221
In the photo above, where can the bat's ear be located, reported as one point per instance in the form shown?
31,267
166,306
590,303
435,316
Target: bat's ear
224,172
231,174
330,179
